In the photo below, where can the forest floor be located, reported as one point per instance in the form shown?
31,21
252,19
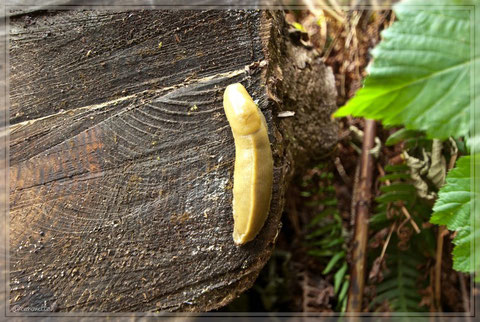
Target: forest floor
310,268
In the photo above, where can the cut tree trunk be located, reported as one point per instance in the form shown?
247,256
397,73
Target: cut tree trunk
121,157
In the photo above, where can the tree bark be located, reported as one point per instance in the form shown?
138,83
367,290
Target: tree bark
121,158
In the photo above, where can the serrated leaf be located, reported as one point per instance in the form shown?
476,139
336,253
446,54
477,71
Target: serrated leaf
453,209
422,71
462,253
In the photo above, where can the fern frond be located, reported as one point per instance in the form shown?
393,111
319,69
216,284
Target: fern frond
326,240
399,287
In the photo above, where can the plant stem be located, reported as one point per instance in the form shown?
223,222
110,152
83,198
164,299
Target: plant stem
362,206
438,268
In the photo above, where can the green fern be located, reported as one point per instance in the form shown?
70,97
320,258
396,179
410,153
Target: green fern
399,287
399,192
420,78
326,240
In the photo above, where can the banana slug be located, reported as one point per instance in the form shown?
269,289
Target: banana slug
253,172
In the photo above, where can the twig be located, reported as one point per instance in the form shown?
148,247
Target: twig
341,171
407,214
384,249
355,293
438,267
401,225
382,173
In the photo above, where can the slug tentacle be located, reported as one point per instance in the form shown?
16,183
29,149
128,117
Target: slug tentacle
253,174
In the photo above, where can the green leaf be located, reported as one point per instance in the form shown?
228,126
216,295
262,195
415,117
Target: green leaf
400,285
395,176
325,230
343,291
379,219
422,71
404,187
396,196
320,253
382,207
397,168
473,143
320,216
453,209
327,242
338,278
305,194
334,260
401,135
330,202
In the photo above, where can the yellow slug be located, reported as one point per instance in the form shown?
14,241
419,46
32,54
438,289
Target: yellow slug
253,174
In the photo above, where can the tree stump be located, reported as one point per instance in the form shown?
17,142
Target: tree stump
121,157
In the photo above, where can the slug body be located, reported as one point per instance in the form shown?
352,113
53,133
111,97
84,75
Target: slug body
253,174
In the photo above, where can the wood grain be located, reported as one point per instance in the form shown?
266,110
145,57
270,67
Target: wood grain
121,158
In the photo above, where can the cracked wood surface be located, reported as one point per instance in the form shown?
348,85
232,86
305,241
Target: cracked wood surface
121,157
